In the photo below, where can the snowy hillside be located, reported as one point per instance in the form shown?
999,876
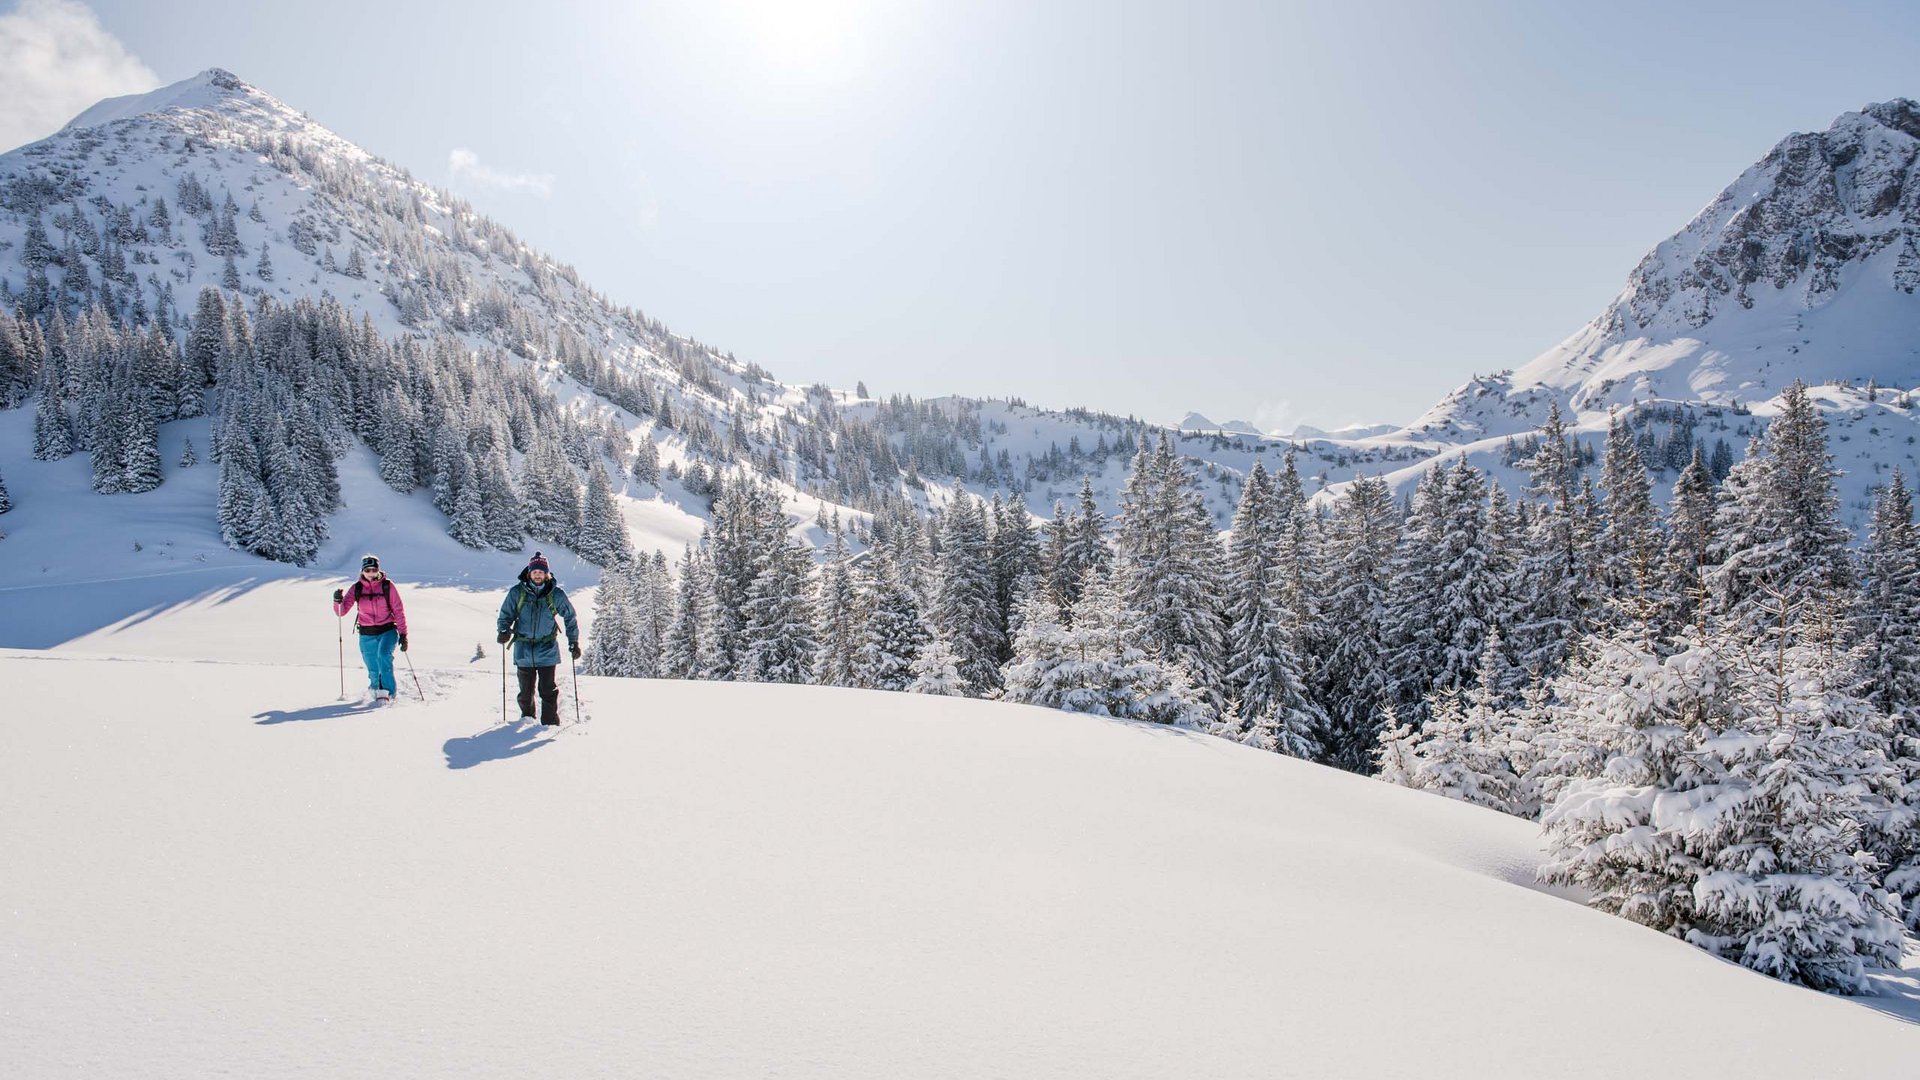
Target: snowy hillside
142,202
242,874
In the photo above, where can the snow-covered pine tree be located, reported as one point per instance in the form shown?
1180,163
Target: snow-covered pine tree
612,649
1417,640
603,532
551,494
1785,892
468,522
646,462
1889,622
1016,566
1778,520
1265,674
1169,569
1691,539
1890,609
243,510
1082,548
1506,545
777,638
209,339
139,452
936,670
1109,672
500,505
1354,681
1466,593
1257,621
653,614
19,363
893,633
1463,751
52,431
1393,757
1301,565
840,617
1630,546
112,414
1730,802
1037,673
964,614
691,651
1280,733
1558,566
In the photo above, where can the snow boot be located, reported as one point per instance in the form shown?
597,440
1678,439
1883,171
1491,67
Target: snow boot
382,695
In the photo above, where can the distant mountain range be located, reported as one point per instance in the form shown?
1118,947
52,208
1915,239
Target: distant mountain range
1805,267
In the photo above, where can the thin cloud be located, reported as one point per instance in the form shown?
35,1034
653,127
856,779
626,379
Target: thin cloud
1275,416
465,165
56,60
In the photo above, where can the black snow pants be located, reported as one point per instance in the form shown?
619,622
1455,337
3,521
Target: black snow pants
549,693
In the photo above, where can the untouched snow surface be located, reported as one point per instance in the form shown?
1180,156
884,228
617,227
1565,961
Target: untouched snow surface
216,867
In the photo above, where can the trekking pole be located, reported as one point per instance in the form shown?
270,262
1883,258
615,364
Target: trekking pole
340,628
576,685
416,678
503,679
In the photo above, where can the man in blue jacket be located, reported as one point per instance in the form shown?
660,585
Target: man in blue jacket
530,618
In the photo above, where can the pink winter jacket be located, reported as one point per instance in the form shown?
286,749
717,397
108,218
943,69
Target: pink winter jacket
380,605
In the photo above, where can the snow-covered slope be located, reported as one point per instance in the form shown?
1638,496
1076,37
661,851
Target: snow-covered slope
333,223
130,193
217,867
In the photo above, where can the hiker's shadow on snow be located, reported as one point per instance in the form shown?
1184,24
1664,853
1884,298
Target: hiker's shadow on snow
497,743
318,712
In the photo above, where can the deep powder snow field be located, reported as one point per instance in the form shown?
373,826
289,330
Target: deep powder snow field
214,866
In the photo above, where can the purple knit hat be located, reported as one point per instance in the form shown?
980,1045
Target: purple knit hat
538,562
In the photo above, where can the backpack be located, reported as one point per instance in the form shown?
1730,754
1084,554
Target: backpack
546,598
386,588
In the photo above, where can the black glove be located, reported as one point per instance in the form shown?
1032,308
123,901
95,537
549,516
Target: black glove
574,648
339,595
403,643
505,636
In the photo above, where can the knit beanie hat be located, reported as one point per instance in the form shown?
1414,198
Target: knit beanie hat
538,562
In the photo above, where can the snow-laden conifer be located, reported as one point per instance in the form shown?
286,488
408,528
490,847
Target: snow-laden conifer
1169,564
1354,680
936,670
1729,806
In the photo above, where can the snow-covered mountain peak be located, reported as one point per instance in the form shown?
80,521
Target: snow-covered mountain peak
214,88
1805,267
1820,212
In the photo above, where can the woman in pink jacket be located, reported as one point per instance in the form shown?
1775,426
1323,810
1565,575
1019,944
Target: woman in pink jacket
382,622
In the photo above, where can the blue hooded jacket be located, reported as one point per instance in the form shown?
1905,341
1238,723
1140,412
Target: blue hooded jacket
531,614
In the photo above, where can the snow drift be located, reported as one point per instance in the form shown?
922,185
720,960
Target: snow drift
241,874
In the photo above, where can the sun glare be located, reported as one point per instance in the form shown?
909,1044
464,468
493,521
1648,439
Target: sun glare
818,39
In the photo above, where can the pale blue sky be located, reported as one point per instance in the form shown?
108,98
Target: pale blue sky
1282,212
